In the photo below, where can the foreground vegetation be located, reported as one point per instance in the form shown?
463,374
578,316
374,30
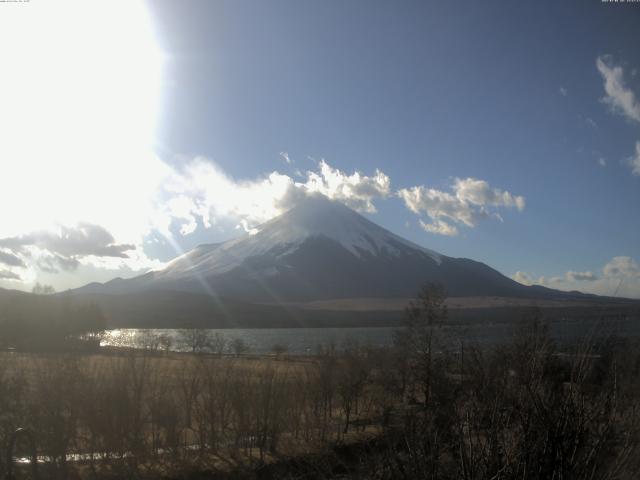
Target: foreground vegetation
526,410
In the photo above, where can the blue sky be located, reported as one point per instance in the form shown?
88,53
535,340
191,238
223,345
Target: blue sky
434,95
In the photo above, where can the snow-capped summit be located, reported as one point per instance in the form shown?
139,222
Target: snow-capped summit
315,217
319,250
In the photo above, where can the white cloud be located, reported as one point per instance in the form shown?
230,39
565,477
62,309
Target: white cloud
285,156
66,249
9,275
522,277
201,192
478,192
439,227
621,267
621,100
52,263
438,205
526,278
180,208
634,161
82,240
356,190
10,259
244,225
602,162
618,96
563,91
471,201
572,276
620,277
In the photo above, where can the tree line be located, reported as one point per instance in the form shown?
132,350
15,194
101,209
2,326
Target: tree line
45,322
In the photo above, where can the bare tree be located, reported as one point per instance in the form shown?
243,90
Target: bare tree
218,344
196,339
239,346
352,375
42,289
423,319
148,340
166,341
279,350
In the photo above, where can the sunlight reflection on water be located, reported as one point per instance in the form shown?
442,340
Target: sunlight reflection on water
306,340
259,340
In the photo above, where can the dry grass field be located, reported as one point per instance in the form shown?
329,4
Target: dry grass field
159,413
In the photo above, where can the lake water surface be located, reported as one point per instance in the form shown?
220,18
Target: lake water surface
307,340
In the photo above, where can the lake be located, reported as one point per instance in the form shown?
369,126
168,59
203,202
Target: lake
306,340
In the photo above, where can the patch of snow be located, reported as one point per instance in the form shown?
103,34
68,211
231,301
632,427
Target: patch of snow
315,217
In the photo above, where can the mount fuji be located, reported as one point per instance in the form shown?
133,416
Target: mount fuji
321,254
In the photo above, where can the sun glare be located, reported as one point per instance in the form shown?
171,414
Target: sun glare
79,96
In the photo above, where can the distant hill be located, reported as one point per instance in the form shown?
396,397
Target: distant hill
44,322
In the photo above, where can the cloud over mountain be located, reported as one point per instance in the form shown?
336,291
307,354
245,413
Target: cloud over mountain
200,191
470,201
197,194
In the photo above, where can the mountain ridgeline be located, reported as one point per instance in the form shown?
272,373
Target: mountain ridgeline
319,250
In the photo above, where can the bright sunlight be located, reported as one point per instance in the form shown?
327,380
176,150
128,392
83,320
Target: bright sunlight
80,97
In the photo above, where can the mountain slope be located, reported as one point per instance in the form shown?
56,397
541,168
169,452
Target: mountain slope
321,250
316,218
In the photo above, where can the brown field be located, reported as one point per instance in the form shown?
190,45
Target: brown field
166,412
171,364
